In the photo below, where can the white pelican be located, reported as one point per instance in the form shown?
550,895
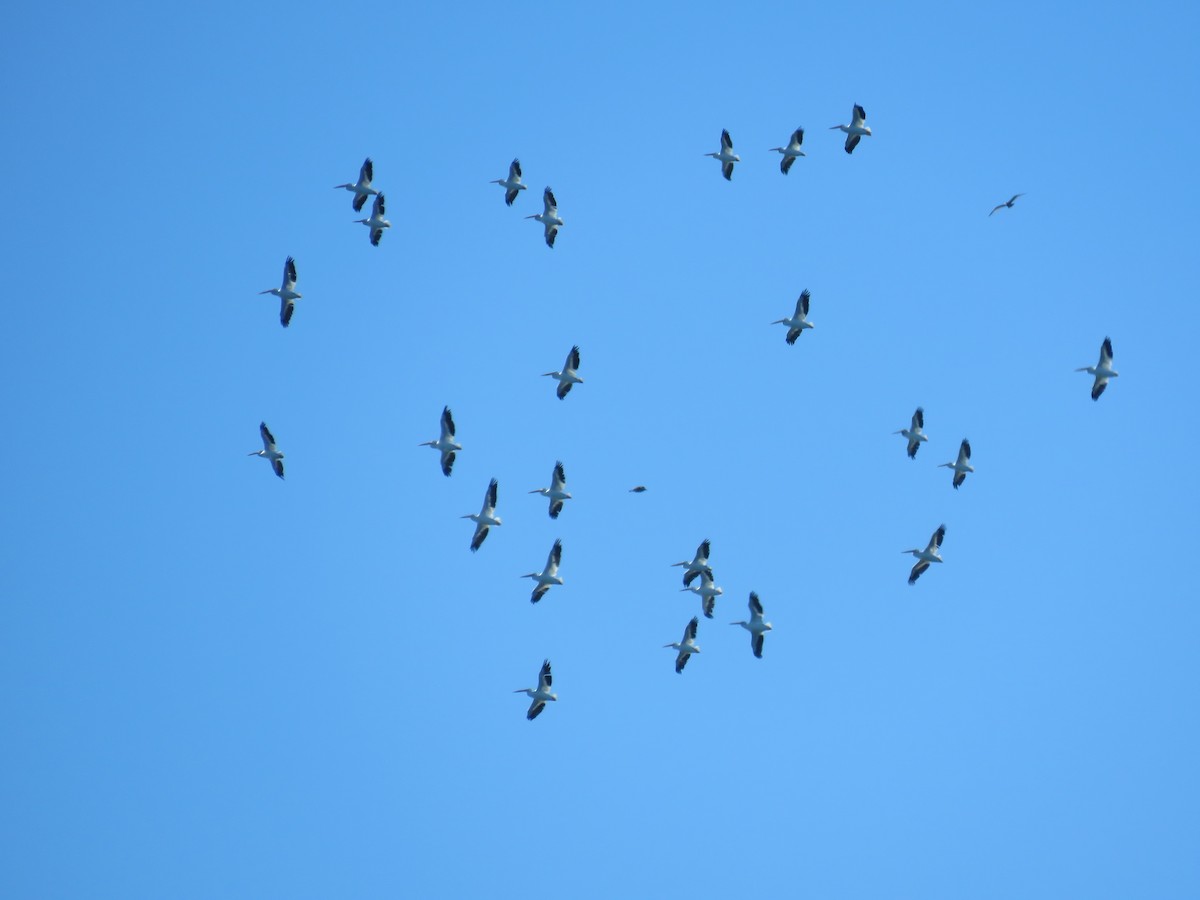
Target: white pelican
377,222
687,646
557,491
445,444
362,188
1103,370
1007,204
928,555
512,185
756,626
698,563
548,575
855,130
707,592
486,518
549,217
640,489
799,320
726,157
567,376
960,466
791,151
914,435
286,292
541,694
269,450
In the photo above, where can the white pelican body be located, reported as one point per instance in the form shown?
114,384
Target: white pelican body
687,646
549,217
1007,204
928,555
960,466
756,626
286,292
548,575
791,151
486,518
799,320
707,592
512,185
697,564
362,188
569,374
856,129
376,223
726,157
1103,370
557,492
445,444
269,450
913,434
541,694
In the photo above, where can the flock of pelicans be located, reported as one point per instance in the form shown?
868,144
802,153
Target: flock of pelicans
698,574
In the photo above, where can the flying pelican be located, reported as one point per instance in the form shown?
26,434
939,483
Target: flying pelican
512,185
377,222
1103,370
541,693
799,320
855,130
445,444
362,188
756,626
567,376
914,435
727,157
791,151
548,575
286,292
556,492
1007,204
640,489
928,555
707,592
687,646
486,517
960,466
698,563
549,217
269,451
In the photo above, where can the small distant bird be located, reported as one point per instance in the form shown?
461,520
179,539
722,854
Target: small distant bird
914,435
855,130
548,575
756,626
567,376
799,320
707,592
928,555
512,185
286,292
791,151
687,646
549,217
362,188
557,492
960,466
269,451
697,564
1103,370
445,444
1007,204
486,518
726,157
376,223
541,694
640,489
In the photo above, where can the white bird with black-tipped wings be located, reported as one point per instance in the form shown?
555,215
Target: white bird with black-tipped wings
756,626
557,492
707,591
512,184
445,444
286,292
376,223
269,451
486,517
549,217
928,555
362,188
569,374
799,320
549,575
961,466
726,157
697,564
913,434
540,694
1103,370
855,130
791,151
687,646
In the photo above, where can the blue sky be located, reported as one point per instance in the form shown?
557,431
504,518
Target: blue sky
218,684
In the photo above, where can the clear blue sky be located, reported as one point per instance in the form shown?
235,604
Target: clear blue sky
217,684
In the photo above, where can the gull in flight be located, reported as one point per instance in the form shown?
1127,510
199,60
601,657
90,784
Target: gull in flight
445,444
791,151
687,646
855,130
486,518
548,575
377,222
512,185
914,435
567,376
960,466
557,490
928,555
698,563
1103,370
799,320
269,450
541,694
707,592
362,188
549,217
286,292
756,626
726,157
1007,204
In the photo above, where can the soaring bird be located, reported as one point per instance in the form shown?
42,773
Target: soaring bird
1103,370
1007,204
697,564
756,626
707,592
286,292
960,466
726,157
549,217
445,444
376,223
548,575
687,646
486,518
567,376
791,151
914,435
512,185
855,130
799,320
269,450
557,492
540,694
362,188
640,489
928,555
